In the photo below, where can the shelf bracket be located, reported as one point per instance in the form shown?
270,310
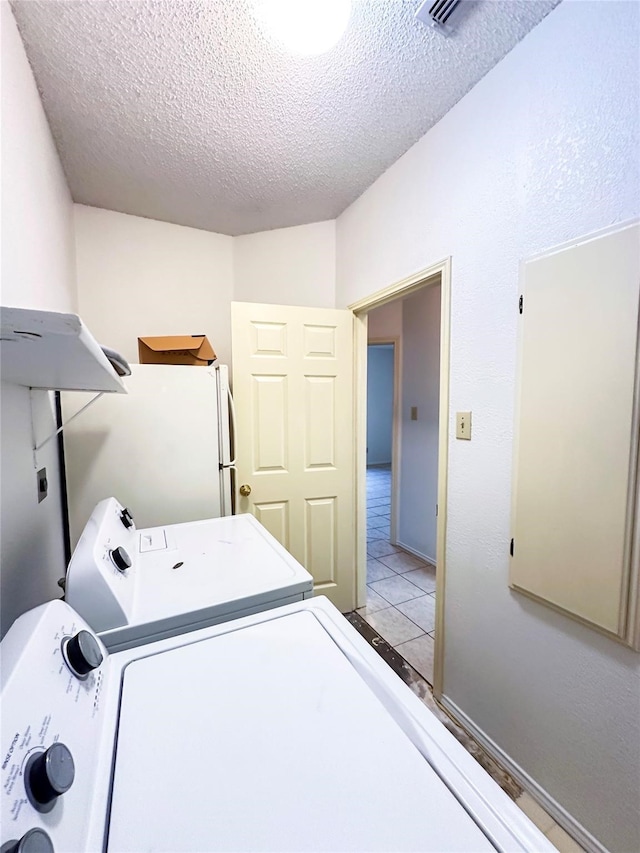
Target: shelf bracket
38,447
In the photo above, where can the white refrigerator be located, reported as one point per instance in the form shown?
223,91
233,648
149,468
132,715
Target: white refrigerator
163,449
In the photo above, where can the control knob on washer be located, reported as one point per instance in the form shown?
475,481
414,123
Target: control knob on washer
48,775
121,560
82,653
34,841
126,518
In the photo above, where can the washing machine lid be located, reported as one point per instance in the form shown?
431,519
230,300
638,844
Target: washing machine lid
222,561
267,738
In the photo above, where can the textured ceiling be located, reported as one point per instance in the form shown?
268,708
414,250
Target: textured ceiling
186,112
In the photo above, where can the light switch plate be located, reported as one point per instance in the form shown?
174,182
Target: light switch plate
463,425
414,413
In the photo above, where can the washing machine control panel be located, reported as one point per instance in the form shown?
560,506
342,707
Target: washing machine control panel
101,576
54,671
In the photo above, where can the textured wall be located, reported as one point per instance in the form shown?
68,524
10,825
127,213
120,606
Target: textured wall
37,272
419,439
544,149
289,266
37,229
140,277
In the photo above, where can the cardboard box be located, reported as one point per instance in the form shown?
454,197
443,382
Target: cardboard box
176,349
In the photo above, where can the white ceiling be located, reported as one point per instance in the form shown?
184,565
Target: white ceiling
183,110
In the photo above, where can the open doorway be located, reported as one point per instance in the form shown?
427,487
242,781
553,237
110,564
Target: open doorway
402,483
382,402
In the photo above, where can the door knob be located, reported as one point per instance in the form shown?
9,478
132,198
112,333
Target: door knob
245,490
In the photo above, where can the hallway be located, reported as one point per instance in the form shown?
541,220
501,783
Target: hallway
400,587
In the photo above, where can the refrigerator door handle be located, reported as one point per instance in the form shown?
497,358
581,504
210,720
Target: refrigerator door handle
232,411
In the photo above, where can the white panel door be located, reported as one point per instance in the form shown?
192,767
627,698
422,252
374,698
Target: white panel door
577,431
293,390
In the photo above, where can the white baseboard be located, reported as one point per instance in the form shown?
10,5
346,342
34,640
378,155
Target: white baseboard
415,553
557,812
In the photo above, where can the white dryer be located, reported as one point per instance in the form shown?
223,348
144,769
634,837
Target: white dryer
134,586
281,731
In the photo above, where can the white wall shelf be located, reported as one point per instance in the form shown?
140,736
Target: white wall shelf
53,351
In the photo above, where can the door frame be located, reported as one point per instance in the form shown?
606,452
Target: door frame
439,273
361,591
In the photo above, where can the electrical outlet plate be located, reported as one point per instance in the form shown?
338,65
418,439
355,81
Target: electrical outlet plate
43,486
463,425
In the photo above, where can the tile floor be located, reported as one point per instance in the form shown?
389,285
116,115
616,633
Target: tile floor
400,587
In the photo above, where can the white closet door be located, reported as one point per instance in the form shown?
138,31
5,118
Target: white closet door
293,390
577,431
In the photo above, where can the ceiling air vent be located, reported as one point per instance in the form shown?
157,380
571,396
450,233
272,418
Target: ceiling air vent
436,13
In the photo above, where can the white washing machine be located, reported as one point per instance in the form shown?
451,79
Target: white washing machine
134,586
281,731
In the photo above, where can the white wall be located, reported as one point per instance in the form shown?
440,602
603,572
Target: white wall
37,272
386,321
379,403
543,149
37,229
287,266
418,491
141,277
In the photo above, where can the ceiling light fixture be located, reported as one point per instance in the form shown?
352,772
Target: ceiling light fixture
304,28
